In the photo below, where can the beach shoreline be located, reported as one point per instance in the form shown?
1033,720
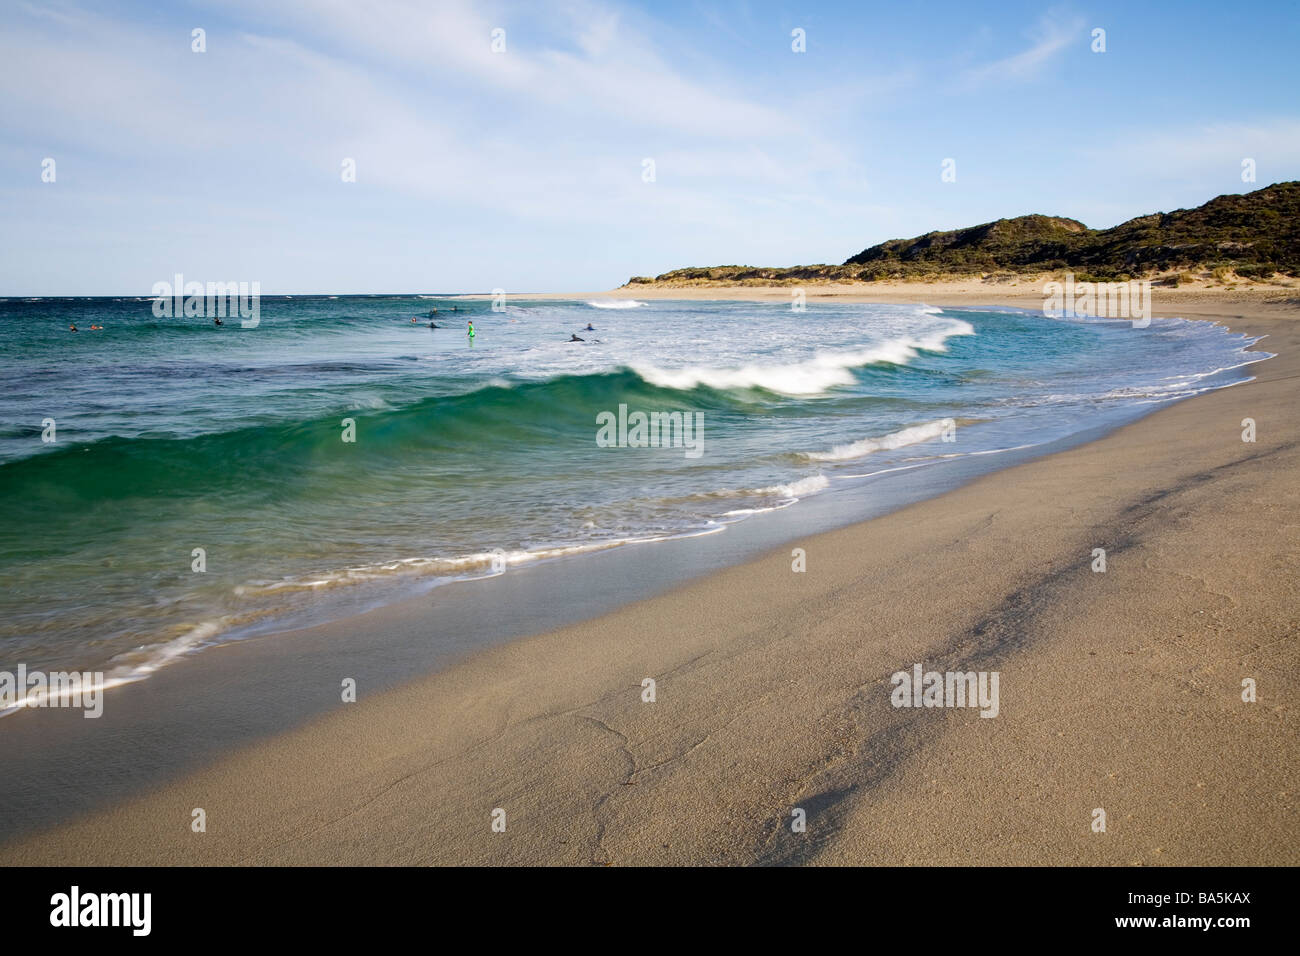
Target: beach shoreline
772,687
1195,298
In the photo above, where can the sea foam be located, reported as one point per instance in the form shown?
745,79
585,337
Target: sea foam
866,446
812,376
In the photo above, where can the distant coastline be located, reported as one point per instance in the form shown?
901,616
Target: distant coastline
1230,243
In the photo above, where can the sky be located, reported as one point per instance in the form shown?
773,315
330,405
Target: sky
525,168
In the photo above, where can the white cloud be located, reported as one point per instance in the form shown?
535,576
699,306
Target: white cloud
258,107
612,73
1049,37
1208,148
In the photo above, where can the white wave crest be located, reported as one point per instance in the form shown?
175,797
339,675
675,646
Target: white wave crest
797,489
810,377
898,439
615,304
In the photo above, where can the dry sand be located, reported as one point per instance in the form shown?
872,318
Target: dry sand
1119,690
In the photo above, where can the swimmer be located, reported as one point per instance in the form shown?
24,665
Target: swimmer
576,339
589,328
217,322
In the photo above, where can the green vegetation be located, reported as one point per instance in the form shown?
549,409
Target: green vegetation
1254,235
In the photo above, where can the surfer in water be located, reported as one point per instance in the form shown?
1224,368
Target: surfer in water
589,328
432,324
72,328
218,322
575,338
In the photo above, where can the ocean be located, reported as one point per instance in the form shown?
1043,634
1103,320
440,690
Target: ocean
168,485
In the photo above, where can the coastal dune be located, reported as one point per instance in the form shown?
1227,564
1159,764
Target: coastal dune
1120,691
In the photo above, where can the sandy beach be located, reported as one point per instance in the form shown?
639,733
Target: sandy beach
1119,691
1197,297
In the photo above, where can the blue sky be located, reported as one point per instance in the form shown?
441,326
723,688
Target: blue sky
524,169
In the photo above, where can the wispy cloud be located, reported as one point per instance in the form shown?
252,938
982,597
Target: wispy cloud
551,133
1048,38
1273,143
585,58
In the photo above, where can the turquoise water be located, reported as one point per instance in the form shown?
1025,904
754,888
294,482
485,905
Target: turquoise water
470,459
